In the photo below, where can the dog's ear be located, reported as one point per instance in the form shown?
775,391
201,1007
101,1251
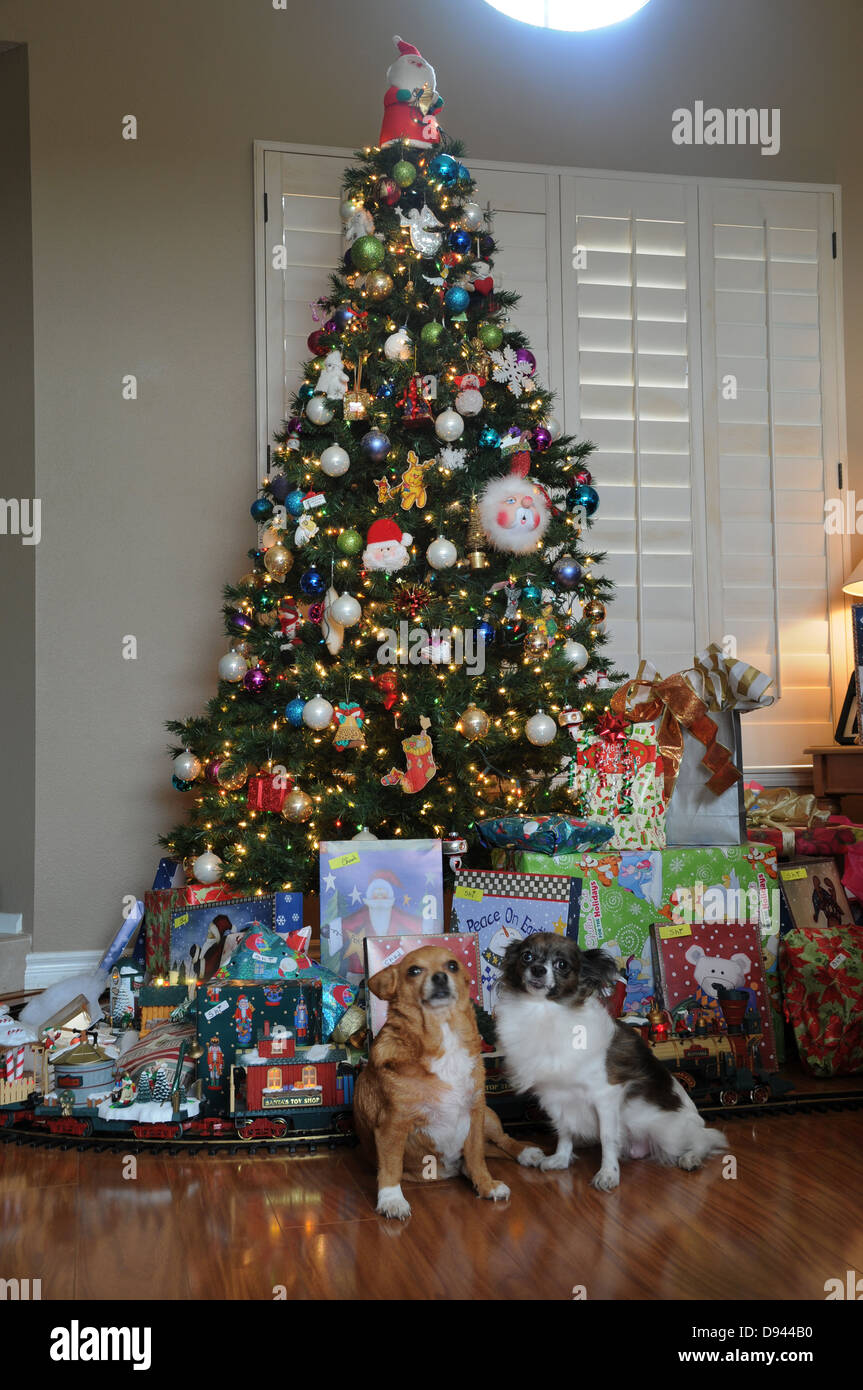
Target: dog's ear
510,955
385,983
598,972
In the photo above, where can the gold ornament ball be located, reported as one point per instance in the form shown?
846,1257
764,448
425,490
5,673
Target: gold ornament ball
298,806
277,561
535,642
379,284
231,776
473,724
594,610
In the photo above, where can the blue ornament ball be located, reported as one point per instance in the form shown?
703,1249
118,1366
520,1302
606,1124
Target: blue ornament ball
344,314
179,785
567,571
306,391
261,509
313,584
463,173
584,496
444,168
456,300
459,239
294,712
488,438
294,501
486,631
375,444
279,488
386,391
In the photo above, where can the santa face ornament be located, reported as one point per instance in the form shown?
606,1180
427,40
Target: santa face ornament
386,546
514,513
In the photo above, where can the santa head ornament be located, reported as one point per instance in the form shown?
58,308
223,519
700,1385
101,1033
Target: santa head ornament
411,100
386,546
514,511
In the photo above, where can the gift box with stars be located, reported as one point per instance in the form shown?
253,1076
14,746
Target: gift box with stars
379,888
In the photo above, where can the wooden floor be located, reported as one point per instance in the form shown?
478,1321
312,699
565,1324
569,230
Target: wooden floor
225,1228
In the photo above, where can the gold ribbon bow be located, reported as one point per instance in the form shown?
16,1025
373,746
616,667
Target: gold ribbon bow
782,809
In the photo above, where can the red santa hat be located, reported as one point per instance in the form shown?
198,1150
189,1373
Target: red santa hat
385,529
405,47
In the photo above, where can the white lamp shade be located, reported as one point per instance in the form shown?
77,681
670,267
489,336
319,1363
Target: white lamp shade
854,583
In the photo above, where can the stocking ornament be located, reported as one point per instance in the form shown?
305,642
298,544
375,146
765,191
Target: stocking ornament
419,755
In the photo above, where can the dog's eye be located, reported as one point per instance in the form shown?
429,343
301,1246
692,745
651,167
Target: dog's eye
561,966
453,966
414,970
527,957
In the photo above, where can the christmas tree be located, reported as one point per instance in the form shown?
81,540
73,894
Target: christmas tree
422,620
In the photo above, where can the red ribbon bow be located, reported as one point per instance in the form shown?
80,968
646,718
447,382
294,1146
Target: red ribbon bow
612,728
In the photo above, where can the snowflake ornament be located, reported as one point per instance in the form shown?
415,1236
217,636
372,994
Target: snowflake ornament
451,459
517,375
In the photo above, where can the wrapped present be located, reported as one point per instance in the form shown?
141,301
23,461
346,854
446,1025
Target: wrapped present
794,822
544,834
822,980
120,945
617,779
160,906
267,791
235,1016
700,737
169,874
383,951
265,955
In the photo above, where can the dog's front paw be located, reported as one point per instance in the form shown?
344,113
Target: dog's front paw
689,1161
607,1179
499,1192
531,1158
551,1162
392,1202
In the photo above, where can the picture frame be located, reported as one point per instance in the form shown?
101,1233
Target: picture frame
847,731
813,892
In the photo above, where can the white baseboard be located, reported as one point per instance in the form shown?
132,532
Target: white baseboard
798,778
45,968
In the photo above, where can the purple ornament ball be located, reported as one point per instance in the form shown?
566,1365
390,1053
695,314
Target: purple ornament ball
541,438
211,772
295,425
279,488
240,621
256,681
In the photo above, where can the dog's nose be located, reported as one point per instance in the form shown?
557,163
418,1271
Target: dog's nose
439,979
537,971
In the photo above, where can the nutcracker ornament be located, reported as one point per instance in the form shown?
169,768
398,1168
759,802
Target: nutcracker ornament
243,1015
411,101
215,1065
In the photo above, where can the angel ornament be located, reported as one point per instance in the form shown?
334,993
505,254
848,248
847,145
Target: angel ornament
426,233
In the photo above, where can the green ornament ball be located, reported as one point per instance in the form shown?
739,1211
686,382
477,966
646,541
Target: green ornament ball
490,335
350,542
404,173
367,253
431,334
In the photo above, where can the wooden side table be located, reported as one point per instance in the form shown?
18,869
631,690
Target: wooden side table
837,770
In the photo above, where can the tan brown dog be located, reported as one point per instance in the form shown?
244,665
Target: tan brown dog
422,1094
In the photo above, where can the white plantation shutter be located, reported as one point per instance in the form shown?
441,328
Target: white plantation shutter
631,356
767,286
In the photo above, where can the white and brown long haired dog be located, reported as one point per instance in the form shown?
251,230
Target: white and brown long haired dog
595,1078
422,1094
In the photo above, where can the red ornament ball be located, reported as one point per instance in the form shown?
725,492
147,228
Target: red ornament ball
314,343
389,192
584,475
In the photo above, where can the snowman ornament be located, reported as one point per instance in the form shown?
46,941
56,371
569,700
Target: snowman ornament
469,399
333,379
411,101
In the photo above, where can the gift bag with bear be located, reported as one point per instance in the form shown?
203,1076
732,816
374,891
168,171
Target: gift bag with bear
711,978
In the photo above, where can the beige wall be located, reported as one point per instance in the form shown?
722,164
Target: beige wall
143,263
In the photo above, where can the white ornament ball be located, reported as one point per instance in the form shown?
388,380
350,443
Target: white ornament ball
348,208
540,729
398,346
576,653
207,868
319,410
449,426
317,712
232,667
469,402
335,461
187,767
552,424
346,610
441,554
471,217
364,835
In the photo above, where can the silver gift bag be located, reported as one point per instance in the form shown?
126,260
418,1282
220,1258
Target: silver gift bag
695,815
